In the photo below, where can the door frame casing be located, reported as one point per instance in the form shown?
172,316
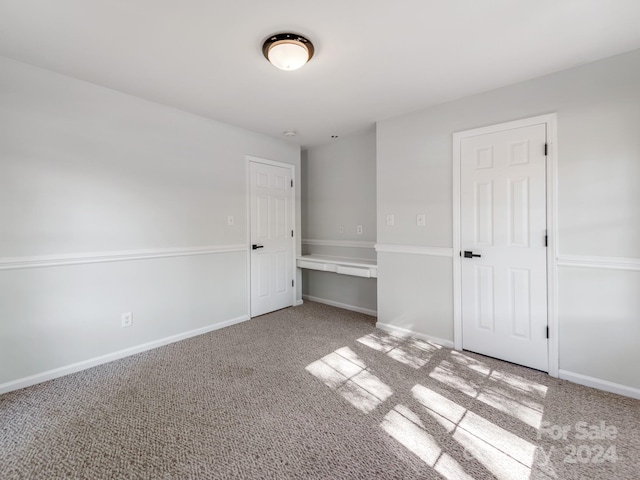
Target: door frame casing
249,159
550,120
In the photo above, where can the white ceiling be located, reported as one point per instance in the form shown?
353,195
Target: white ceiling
374,59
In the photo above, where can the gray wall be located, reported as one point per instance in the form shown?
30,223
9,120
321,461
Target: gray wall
598,108
88,171
339,188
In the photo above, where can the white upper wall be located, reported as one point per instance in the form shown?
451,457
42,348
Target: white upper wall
598,107
340,189
88,169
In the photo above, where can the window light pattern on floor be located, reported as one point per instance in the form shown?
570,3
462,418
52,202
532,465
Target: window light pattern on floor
410,351
499,452
508,393
344,372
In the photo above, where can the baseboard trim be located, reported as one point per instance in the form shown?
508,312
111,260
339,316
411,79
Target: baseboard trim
298,303
410,333
17,263
607,263
110,357
600,384
415,250
344,306
338,243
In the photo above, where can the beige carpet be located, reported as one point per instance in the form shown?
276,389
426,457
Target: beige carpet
315,392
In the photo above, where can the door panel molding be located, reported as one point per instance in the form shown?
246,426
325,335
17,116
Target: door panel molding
550,120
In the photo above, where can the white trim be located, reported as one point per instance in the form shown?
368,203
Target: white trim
298,303
414,250
294,269
410,333
500,127
273,163
457,261
552,244
608,263
600,384
13,263
338,243
550,121
247,173
344,306
110,357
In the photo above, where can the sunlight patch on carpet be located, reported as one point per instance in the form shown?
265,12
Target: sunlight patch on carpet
409,351
406,427
516,396
499,451
346,373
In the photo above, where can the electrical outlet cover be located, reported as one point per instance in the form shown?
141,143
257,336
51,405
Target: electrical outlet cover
127,319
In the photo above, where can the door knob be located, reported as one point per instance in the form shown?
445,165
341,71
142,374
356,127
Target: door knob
255,247
468,254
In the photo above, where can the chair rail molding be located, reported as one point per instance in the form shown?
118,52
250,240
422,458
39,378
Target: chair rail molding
414,250
16,263
338,243
608,263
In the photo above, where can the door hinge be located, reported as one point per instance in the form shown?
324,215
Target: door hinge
292,283
547,332
291,233
292,180
546,149
546,240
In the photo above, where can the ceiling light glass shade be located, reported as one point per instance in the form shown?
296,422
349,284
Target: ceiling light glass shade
287,51
288,55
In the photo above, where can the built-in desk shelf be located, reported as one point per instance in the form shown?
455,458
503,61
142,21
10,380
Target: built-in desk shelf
356,267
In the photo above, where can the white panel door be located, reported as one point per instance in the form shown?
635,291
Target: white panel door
503,240
271,195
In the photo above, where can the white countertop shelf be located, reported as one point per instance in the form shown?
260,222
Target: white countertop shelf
357,267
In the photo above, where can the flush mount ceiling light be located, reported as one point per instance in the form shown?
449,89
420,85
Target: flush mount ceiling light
287,51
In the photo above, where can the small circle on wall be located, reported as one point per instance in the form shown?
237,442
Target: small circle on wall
334,136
